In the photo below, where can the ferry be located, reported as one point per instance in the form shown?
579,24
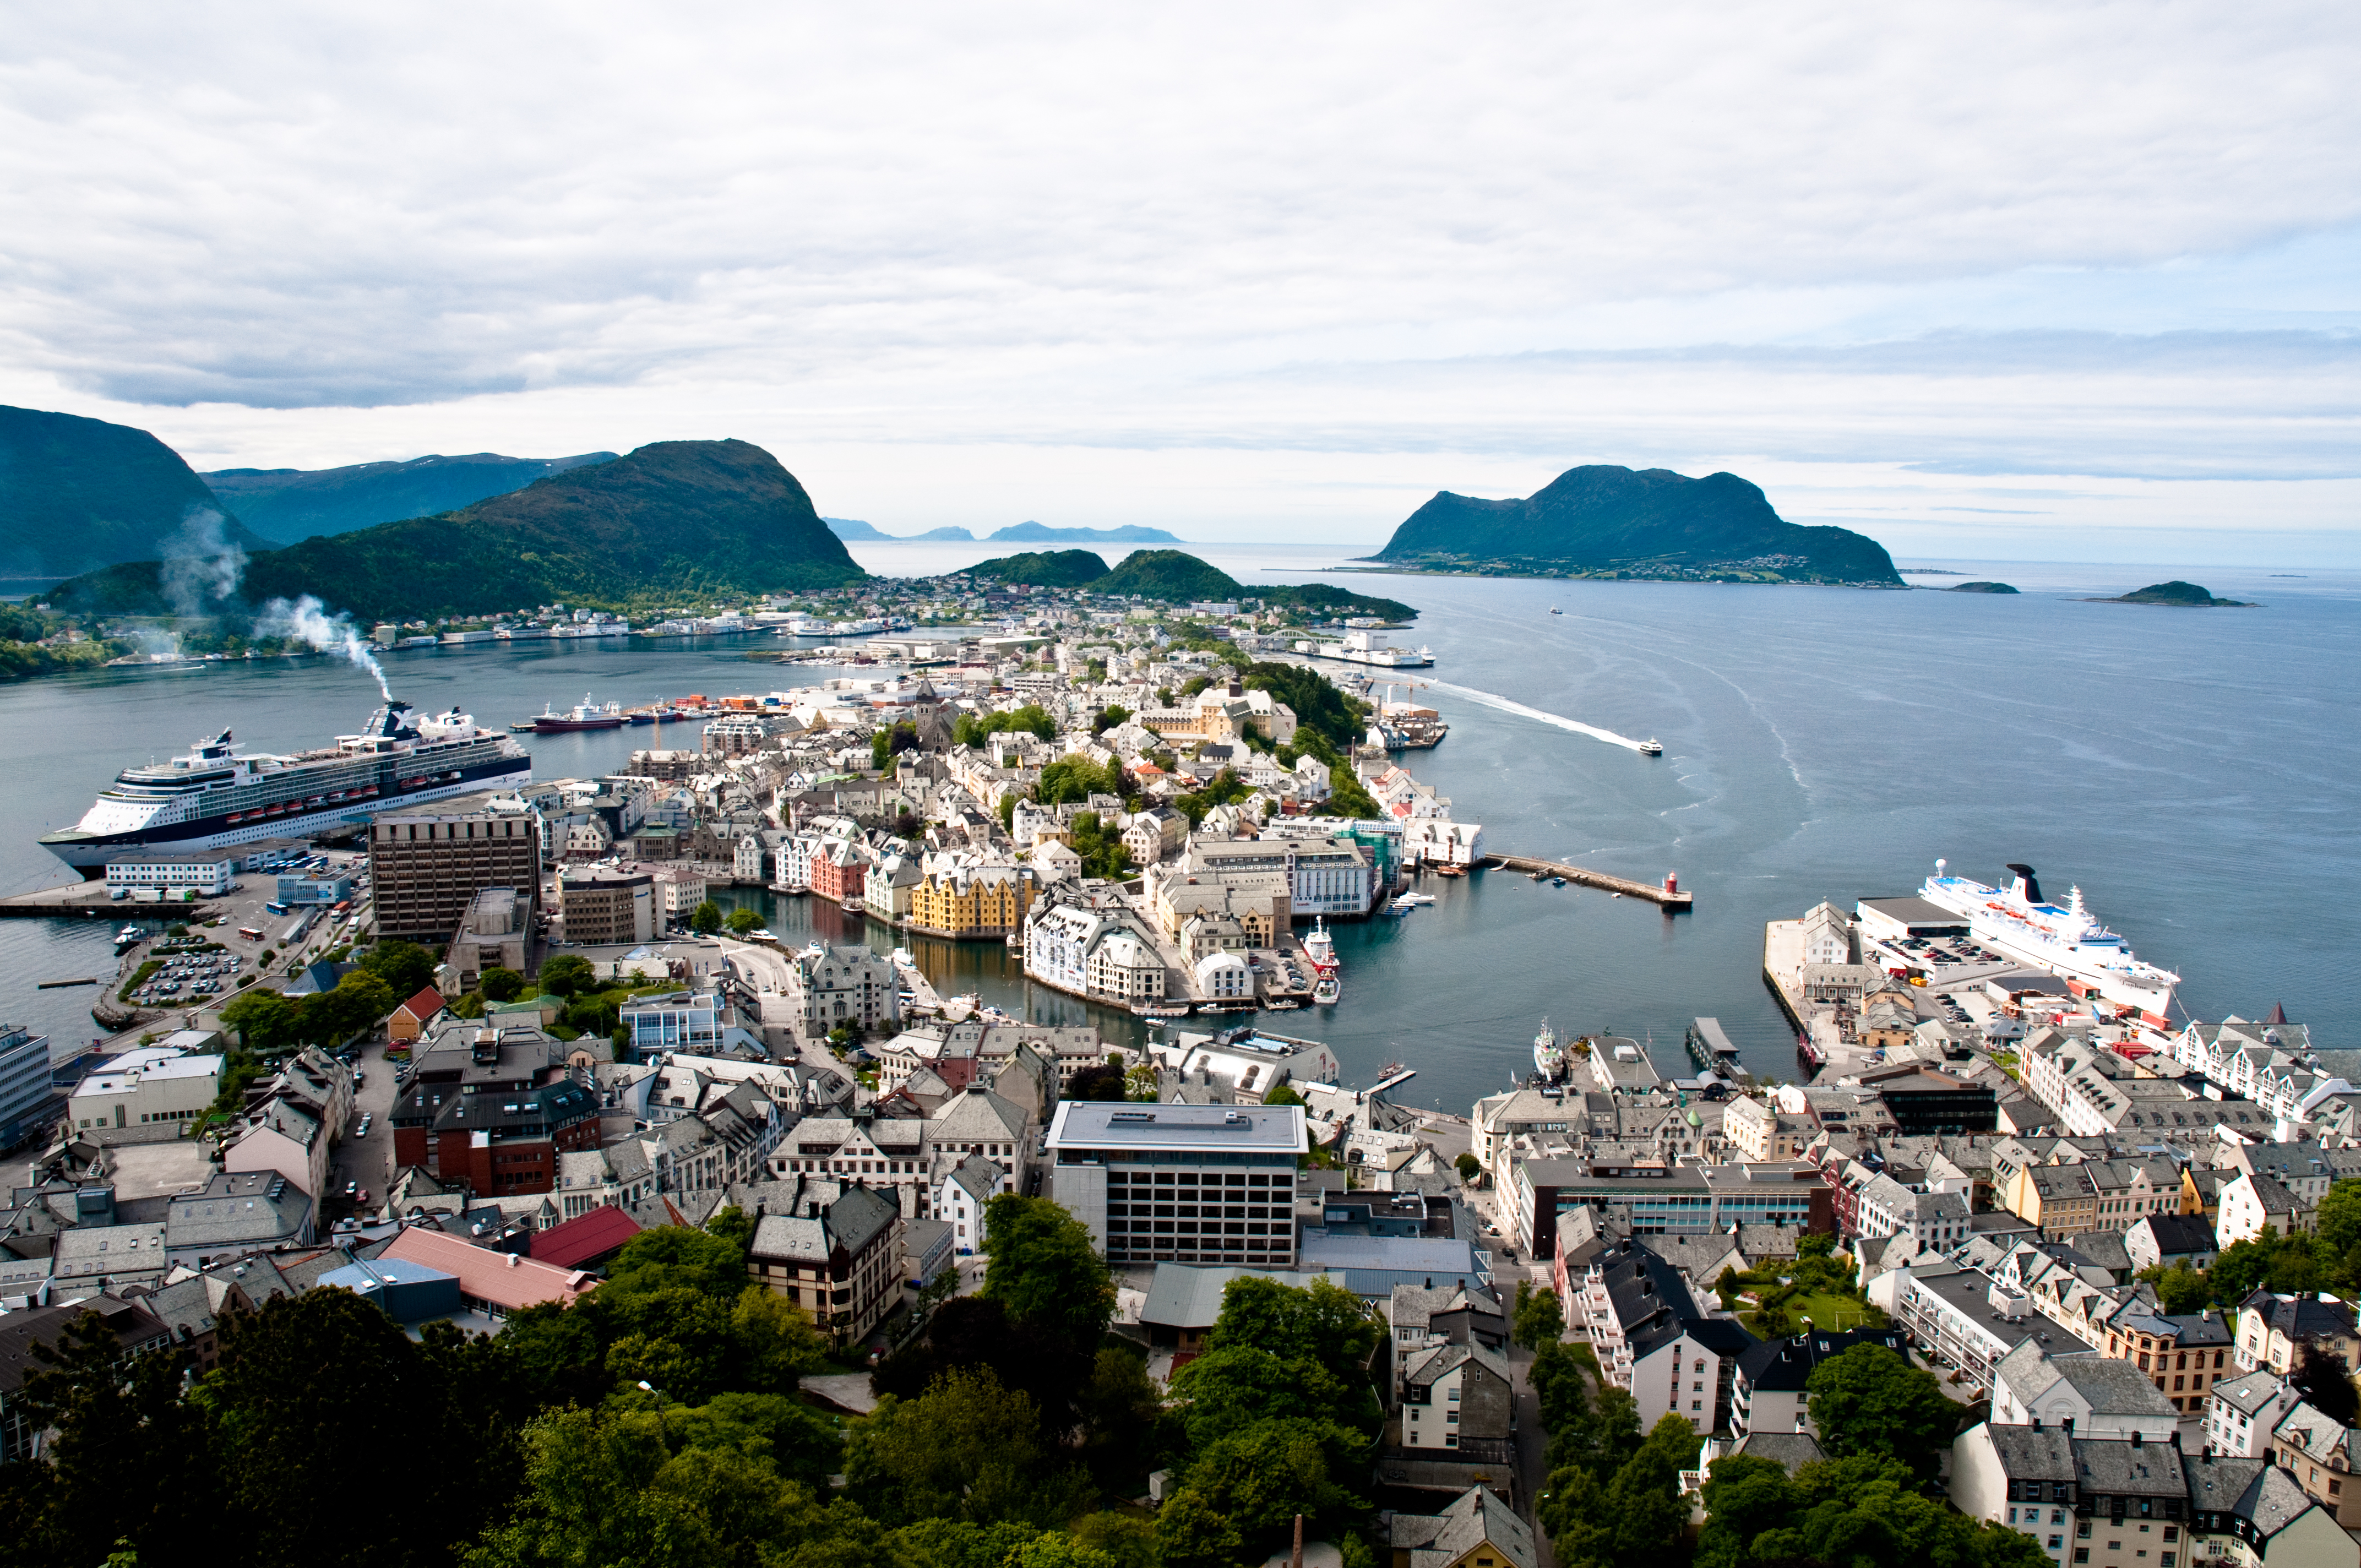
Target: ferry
1651,747
1358,649
213,796
1549,1056
2066,941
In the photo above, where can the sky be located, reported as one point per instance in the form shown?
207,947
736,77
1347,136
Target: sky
2002,281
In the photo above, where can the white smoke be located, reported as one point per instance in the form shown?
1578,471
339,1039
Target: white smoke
307,620
200,566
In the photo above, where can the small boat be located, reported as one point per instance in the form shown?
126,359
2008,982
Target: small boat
1535,876
1554,610
1413,900
524,726
1284,1004
1651,747
1325,990
1557,881
1450,870
1320,946
1549,1058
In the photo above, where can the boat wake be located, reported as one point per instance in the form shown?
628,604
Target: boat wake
1493,699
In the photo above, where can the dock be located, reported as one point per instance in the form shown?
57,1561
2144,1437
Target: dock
1670,895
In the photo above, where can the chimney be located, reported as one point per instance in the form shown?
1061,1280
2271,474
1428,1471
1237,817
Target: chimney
2136,1437
514,1261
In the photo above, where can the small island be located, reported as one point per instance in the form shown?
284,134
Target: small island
2185,596
1980,589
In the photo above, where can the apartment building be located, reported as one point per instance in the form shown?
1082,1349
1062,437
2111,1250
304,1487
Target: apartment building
1180,1183
834,1250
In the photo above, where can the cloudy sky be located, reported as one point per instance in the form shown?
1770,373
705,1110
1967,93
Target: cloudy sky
2033,281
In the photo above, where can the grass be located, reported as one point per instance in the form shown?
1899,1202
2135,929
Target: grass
1831,1313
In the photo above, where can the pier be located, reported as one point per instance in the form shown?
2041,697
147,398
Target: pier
1671,898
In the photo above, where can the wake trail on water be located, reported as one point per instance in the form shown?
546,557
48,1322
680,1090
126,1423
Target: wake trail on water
1494,699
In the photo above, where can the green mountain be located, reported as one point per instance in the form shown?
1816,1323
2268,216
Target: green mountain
2185,596
77,494
1176,576
1042,534
672,520
1044,569
852,528
1604,520
288,504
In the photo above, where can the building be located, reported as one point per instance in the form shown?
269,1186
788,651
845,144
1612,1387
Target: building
962,902
1327,877
1767,1393
2323,1454
177,875
2162,1240
1180,1183
1656,1337
1938,1221
1094,952
134,1329
2075,1391
2274,1331
1659,1199
1758,1131
838,872
493,1283
2251,1202
284,1137
2242,1411
1970,1320
232,1215
836,1252
415,1017
1476,1531
495,933
144,1096
600,906
2247,1512
845,985
2108,1502
2191,1350
426,867
960,1197
1224,976
674,1021
1458,1397
26,1106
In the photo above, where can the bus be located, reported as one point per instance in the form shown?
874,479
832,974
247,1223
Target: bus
250,933
275,908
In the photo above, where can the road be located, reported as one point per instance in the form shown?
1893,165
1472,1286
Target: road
368,1160
1532,1448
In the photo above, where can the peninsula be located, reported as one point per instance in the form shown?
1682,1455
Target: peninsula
1605,521
1175,576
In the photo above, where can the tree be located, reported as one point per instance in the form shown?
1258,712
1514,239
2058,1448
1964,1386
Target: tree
1538,1320
2339,1222
1317,1322
1469,1167
268,1022
1868,1400
2326,1385
742,920
706,918
1282,1094
406,968
568,974
1239,1388
502,985
1044,1270
1557,1383
1260,1478
1101,1082
967,1448
2178,1288
1110,717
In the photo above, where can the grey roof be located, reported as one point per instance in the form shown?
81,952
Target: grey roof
1417,1306
1784,1365
849,1218
1792,1449
979,1175
2301,1318
1477,1517
1425,1367
1407,1254
2116,1468
2251,1392
253,1208
2254,1489
2110,1387
2032,1453
113,1251
1183,1296
1188,1129
2177,1236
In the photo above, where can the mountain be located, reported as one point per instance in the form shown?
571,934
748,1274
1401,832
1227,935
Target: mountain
1179,578
960,534
1041,532
852,528
1605,521
78,493
2185,596
673,521
288,504
1044,569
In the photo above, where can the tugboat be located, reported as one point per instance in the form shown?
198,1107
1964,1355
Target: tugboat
1549,1058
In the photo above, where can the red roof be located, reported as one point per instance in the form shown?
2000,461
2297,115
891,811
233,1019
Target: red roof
508,1282
423,1006
584,1237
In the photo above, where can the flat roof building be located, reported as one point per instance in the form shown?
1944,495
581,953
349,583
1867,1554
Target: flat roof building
1180,1183
426,867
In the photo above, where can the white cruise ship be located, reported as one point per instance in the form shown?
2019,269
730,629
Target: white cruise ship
213,796
2066,942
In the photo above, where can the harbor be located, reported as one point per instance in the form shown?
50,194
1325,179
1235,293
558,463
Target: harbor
1668,892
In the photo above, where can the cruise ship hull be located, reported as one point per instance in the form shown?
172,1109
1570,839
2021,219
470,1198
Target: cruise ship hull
89,852
2043,936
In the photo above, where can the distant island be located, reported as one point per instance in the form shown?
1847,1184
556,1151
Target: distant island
77,494
1042,534
674,517
1979,588
1605,521
2177,593
285,505
854,528
1175,576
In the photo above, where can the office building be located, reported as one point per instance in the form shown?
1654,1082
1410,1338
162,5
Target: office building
597,906
1180,1183
426,867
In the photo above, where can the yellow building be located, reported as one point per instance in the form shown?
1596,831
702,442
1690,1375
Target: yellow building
972,901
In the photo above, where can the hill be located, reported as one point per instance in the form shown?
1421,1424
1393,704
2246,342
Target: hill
1980,589
76,494
1605,521
1040,533
675,519
1044,569
288,504
1176,576
2181,594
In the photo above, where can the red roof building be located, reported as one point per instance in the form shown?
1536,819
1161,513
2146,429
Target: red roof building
586,1240
410,1019
496,1283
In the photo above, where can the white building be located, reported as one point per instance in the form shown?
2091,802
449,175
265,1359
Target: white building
1225,977
195,876
960,1196
2242,1412
149,1088
2250,1202
1127,1171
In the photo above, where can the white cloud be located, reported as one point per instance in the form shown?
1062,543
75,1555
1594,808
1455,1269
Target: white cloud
943,252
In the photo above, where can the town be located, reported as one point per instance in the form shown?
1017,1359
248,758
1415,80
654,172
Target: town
495,1095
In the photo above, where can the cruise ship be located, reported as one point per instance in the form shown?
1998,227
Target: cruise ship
2066,941
214,796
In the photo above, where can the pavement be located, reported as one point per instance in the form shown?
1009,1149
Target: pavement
368,1160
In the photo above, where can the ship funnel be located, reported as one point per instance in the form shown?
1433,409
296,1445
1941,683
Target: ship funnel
2026,882
1939,865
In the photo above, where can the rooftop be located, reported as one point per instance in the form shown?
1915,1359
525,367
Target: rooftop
1187,1129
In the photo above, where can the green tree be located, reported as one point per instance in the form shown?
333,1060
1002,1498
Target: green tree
1113,716
1103,1081
2339,1222
268,1022
1192,1532
1239,1388
406,968
742,920
568,974
967,1448
1317,1322
1538,1319
2326,1384
1644,1500
1469,1167
1259,1479
1868,1400
2178,1288
706,918
502,985
1559,1386
1044,1270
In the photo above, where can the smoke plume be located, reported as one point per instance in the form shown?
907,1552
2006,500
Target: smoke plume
201,566
308,620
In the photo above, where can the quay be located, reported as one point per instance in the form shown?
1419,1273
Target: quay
91,901
1670,895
